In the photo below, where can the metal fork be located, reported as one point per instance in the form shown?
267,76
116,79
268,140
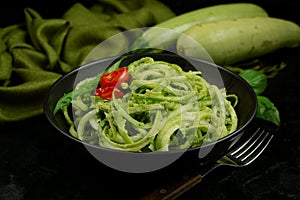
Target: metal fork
244,152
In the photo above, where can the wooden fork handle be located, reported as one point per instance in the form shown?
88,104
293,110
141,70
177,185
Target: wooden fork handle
173,189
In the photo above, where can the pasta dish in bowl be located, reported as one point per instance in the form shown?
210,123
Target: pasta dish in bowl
152,105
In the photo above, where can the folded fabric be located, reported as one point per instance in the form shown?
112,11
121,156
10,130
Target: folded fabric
35,54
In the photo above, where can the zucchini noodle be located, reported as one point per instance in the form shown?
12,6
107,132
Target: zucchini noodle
164,108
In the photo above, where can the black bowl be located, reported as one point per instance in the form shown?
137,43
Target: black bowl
146,162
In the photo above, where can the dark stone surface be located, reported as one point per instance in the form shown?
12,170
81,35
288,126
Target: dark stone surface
36,162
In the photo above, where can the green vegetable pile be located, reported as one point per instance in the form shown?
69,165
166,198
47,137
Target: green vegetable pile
163,108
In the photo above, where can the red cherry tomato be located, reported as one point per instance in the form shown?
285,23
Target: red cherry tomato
114,78
111,82
107,92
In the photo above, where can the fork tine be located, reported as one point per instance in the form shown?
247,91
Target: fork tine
254,142
260,148
252,148
244,145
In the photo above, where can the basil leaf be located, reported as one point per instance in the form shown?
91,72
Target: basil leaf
256,79
64,101
267,111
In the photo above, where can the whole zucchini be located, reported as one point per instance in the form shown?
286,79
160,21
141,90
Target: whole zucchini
231,41
166,32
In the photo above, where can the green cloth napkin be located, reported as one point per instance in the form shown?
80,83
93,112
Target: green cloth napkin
35,54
